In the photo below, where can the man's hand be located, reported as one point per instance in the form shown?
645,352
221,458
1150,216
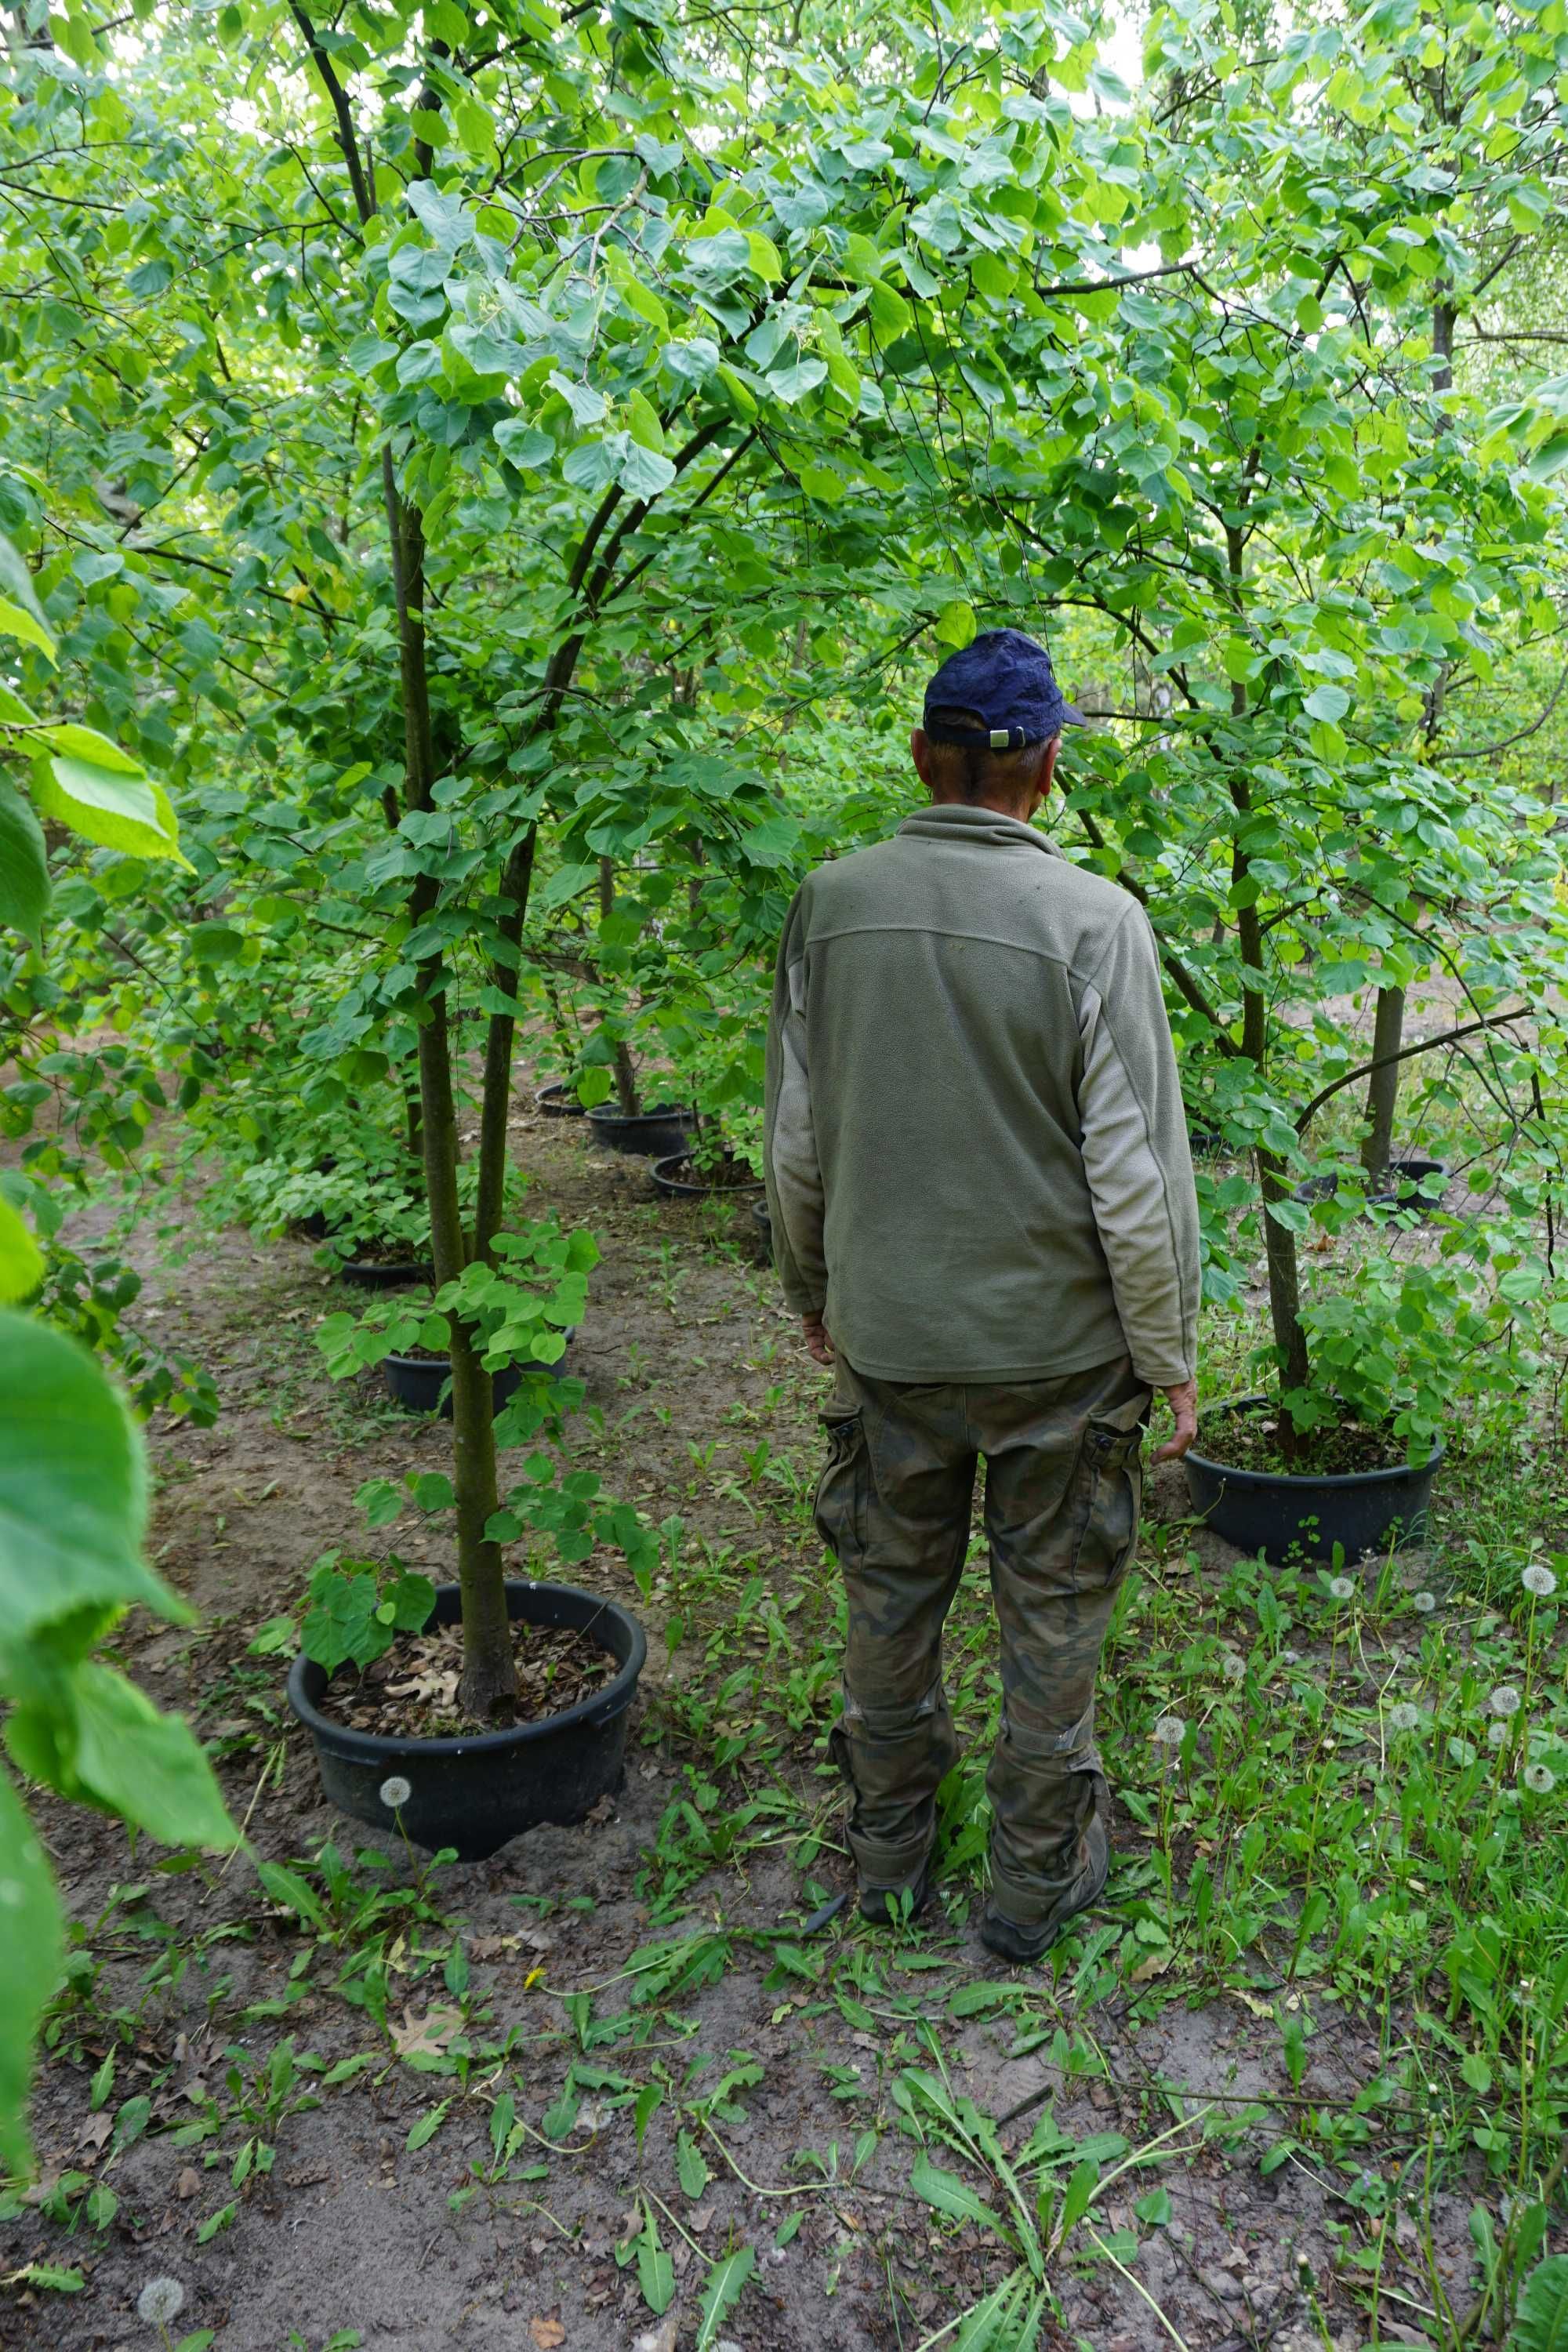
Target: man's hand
1182,1401
819,1345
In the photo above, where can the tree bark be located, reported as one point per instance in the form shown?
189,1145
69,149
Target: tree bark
626,1075
1278,1244
488,1687
501,1033
1382,1086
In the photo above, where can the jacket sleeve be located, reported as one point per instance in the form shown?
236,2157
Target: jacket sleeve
789,1135
1136,1156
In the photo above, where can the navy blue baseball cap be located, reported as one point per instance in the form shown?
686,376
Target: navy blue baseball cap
1007,681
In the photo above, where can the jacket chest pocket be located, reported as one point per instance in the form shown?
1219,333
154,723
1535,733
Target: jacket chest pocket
844,1489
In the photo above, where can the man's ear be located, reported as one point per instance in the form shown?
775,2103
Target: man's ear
920,752
1041,784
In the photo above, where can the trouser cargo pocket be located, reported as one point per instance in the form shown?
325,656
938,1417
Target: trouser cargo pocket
1110,1475
844,1489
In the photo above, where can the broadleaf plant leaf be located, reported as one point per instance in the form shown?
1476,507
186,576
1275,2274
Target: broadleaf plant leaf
24,867
131,812
148,1768
32,1942
73,1487
726,2280
21,1260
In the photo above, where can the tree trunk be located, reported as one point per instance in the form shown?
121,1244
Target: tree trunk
488,1689
625,1074
1279,1243
1382,1086
1273,1178
501,1033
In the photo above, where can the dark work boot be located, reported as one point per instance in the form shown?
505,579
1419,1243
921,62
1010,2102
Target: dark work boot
875,1901
1011,1940
1025,1941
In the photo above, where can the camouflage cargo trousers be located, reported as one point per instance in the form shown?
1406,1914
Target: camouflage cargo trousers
1063,1488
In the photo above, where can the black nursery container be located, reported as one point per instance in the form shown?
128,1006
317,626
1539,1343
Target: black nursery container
559,1100
676,1187
374,1274
1289,1518
417,1381
658,1134
475,1793
1399,1187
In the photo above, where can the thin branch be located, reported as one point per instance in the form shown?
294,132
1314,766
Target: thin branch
1105,285
1185,980
364,194
1485,750
1426,1045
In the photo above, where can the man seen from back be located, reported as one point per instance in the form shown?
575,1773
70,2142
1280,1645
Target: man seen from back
983,1213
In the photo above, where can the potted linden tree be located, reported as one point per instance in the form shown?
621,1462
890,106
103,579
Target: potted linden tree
549,427
1299,845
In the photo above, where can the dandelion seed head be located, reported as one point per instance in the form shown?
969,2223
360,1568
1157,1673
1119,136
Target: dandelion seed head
1290,1657
1496,1734
1539,1580
1425,1602
1341,1588
1540,1778
1404,1717
395,1790
1169,1732
161,2300
1232,1666
1504,1700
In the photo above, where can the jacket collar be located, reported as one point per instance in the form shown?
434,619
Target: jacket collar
953,821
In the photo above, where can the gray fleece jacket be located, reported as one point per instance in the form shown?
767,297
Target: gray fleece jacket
977,1151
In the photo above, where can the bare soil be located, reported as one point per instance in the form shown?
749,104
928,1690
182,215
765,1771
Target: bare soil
517,1967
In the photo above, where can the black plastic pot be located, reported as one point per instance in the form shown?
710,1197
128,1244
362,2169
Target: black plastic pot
559,1100
668,1129
763,1215
1289,1518
417,1381
1399,1189
475,1793
371,1274
679,1187
1205,1142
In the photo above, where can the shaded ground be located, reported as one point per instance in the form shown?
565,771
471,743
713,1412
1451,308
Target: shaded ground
643,1978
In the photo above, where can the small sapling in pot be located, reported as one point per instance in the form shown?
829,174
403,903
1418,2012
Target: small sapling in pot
376,1683
522,1310
1344,1456
477,1772
707,1169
